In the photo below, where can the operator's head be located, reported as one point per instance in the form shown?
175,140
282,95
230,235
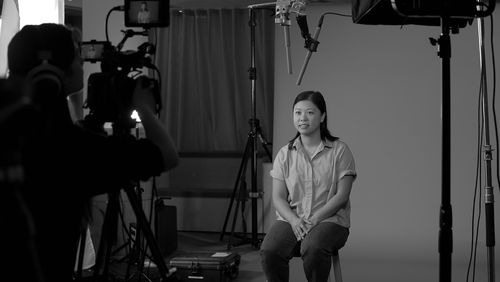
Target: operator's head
53,43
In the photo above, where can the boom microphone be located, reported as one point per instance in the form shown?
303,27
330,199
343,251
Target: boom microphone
311,47
283,18
283,10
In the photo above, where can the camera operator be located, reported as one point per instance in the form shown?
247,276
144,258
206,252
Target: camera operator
65,164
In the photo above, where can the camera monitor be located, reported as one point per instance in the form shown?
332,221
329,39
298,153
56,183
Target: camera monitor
93,50
147,13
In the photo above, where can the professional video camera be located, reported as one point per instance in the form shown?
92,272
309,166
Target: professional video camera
109,93
109,99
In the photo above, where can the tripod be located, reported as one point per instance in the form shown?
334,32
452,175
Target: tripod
138,253
249,152
109,233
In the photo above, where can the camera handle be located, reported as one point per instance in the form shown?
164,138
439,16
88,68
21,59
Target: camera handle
129,33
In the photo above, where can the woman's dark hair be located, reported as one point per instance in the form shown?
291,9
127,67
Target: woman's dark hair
23,51
317,99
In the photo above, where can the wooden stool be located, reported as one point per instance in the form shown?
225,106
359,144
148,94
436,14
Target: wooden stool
337,273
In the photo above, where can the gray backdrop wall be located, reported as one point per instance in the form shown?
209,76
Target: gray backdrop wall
383,89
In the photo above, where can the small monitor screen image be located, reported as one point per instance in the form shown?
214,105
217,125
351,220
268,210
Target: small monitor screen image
92,50
146,13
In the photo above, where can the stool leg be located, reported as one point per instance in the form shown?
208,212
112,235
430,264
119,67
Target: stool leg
336,268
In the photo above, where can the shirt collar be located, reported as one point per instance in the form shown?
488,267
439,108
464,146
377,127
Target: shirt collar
325,143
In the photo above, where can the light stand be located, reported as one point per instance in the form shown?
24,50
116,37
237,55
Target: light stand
445,219
250,150
450,13
445,223
488,196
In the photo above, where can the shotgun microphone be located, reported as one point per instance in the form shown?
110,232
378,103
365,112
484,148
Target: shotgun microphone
311,45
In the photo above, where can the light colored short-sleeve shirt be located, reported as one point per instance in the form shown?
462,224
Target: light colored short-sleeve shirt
311,182
143,17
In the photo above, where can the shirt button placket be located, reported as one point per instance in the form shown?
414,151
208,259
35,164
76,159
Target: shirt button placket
308,190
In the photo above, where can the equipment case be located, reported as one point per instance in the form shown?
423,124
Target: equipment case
206,266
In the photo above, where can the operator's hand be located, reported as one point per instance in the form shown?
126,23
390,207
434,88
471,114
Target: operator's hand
299,228
143,97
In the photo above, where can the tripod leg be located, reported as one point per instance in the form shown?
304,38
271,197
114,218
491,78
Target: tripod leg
264,145
253,192
263,140
148,234
243,199
235,189
81,249
108,234
136,252
242,194
235,215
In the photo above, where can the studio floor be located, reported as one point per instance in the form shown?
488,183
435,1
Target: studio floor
196,242
355,267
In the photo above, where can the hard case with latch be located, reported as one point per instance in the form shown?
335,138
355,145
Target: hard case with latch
220,266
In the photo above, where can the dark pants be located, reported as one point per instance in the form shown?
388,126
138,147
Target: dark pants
280,245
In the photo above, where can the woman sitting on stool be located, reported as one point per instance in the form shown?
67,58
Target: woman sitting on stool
312,180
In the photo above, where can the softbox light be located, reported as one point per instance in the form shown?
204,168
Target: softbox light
381,12
416,12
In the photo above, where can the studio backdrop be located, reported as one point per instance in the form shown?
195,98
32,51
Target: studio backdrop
204,57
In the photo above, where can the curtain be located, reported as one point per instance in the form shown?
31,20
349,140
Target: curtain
10,25
41,11
204,58
18,13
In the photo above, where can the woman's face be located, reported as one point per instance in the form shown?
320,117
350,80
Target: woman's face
307,117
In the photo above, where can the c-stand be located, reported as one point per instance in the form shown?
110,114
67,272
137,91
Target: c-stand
110,227
250,152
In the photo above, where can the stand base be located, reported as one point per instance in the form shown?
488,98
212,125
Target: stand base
118,272
243,239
